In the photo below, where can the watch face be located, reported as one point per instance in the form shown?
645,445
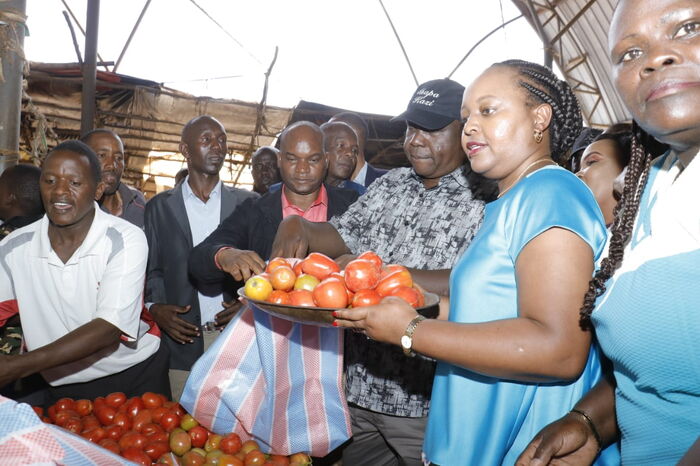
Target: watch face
406,341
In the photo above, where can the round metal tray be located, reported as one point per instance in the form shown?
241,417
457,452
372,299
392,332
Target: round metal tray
322,316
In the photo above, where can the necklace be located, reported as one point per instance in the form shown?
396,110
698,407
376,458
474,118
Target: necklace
522,173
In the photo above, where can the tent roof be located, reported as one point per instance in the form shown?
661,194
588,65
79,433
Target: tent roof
575,32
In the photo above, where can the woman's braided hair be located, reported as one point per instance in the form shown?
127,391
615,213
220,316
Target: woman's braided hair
543,86
644,149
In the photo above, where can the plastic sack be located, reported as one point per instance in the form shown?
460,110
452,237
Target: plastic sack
275,381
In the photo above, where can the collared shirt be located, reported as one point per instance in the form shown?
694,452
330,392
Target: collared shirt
361,175
203,218
405,223
133,205
318,212
104,278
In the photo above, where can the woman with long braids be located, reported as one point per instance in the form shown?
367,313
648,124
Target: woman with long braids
512,355
644,302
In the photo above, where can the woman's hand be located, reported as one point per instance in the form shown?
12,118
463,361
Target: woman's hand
567,441
385,322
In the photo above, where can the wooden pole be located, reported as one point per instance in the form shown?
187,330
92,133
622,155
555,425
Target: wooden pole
12,30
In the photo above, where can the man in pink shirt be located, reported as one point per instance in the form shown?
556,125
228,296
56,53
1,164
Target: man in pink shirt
242,243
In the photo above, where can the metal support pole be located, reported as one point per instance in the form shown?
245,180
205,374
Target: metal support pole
12,28
89,67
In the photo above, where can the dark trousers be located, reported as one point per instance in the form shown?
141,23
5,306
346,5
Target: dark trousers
150,375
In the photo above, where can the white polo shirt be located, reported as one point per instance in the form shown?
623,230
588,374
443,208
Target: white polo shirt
103,279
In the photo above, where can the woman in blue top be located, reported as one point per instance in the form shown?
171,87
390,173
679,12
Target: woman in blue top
647,317
513,356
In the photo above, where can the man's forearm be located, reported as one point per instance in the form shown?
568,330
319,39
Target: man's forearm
435,281
74,346
324,238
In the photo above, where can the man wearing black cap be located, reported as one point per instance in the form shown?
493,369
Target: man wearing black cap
422,217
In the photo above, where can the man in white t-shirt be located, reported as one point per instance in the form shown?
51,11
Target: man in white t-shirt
76,277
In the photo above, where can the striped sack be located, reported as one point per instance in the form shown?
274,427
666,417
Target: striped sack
25,439
275,381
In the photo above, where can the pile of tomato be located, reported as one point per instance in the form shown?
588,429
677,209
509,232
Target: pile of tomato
151,429
317,281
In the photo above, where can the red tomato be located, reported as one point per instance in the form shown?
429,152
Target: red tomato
372,257
52,411
62,416
136,455
142,418
387,269
300,459
114,432
97,402
303,298
105,414
157,413
169,421
421,297
255,458
319,265
178,409
94,435
279,297
134,405
249,445
159,436
361,274
115,400
276,262
366,298
132,439
65,403
180,442
331,293
194,458
155,450
73,424
230,444
83,407
283,278
351,296
199,436
110,445
394,280
148,428
278,460
298,268
39,410
230,460
122,419
410,295
90,422
151,400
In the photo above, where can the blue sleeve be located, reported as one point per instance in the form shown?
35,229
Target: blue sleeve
553,198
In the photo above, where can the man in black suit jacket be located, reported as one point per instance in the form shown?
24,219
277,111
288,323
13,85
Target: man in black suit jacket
171,234
242,243
364,173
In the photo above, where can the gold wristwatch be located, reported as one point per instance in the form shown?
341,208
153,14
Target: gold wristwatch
407,338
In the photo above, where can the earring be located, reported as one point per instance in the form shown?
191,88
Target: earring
538,136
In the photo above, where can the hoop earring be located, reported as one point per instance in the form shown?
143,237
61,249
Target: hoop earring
538,136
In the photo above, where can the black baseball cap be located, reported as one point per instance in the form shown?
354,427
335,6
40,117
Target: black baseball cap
434,105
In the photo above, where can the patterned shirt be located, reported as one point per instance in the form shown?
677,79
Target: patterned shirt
405,223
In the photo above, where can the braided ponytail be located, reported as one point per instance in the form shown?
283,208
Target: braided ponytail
644,149
543,86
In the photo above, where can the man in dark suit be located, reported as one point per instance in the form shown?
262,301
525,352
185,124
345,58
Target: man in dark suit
241,244
176,220
364,173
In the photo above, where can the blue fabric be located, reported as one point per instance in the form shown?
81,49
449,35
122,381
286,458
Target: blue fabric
648,324
475,419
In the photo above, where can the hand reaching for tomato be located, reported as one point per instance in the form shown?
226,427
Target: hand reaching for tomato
239,263
291,238
384,322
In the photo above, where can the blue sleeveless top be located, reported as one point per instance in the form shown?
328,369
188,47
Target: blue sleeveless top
648,322
476,419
